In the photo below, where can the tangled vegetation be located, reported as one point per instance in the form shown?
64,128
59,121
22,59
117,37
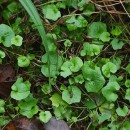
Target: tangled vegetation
71,61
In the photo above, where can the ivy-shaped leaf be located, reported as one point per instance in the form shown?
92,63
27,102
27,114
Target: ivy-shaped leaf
71,95
109,91
109,68
6,34
94,80
20,89
51,12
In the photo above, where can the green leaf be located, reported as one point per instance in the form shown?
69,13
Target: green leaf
45,116
2,54
73,23
127,83
109,91
94,80
67,43
128,68
51,42
90,49
20,89
23,61
116,31
96,29
57,100
17,40
79,79
65,70
61,112
90,104
28,106
53,70
55,64
2,104
71,95
51,12
122,111
109,68
116,44
6,34
76,64
105,36
46,88
73,65
117,62
12,7
82,2
125,126
103,117
88,9
127,95
61,5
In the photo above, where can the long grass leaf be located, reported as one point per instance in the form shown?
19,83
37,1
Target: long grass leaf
32,11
